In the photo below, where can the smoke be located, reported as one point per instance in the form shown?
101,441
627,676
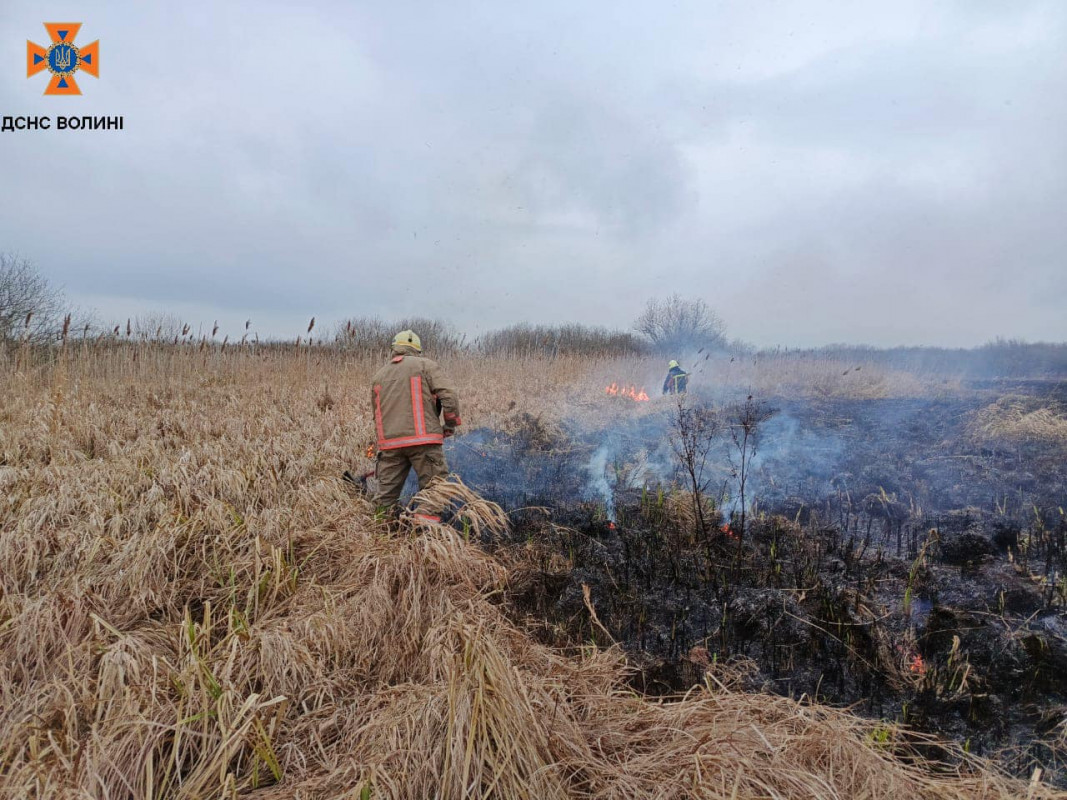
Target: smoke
578,462
793,459
516,468
806,455
598,481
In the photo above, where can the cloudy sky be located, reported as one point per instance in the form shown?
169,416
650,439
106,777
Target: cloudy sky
886,173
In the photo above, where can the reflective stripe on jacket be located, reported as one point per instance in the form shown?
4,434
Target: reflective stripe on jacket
404,395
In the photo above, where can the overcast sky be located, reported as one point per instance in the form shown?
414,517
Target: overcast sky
885,173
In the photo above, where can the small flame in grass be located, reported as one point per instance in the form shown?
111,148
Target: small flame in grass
728,531
370,451
618,390
914,660
611,525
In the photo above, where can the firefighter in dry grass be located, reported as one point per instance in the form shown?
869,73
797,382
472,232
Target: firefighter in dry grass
677,381
409,395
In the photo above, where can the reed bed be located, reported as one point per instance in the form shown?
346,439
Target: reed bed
193,606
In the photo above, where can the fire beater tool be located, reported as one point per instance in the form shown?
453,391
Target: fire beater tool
360,481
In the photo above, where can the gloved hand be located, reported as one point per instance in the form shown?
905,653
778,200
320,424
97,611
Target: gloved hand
449,432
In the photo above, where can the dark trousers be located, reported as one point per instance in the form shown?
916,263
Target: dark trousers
393,466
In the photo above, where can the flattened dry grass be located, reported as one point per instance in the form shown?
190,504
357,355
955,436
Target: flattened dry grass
476,514
191,605
1017,419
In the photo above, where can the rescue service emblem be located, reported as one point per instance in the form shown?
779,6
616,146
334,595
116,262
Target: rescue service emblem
63,58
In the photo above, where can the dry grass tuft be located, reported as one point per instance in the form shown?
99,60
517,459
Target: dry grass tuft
1015,419
474,512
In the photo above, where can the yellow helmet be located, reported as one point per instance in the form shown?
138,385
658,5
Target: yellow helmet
672,364
408,339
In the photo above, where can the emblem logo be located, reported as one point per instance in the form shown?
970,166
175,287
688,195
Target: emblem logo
63,58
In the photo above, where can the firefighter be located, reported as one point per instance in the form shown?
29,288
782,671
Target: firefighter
677,380
409,395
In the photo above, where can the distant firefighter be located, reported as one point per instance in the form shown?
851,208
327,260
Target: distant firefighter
677,380
409,395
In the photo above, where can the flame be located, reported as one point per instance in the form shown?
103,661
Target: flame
728,531
370,451
917,665
618,390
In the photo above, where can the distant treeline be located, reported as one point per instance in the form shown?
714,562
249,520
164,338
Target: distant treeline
34,315
520,341
1002,358
552,340
666,327
370,336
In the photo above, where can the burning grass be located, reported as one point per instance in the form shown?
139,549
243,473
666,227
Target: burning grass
631,392
192,605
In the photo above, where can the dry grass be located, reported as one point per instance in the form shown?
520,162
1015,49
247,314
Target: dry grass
1017,419
476,514
191,605
818,376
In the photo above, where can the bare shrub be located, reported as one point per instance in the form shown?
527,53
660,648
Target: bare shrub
31,309
365,334
158,327
373,335
552,341
677,325
693,432
745,420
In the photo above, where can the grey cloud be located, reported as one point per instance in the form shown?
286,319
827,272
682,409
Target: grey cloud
876,172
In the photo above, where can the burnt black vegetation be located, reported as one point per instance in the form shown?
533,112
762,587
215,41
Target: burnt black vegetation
863,552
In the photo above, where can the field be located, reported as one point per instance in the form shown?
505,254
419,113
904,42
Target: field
193,604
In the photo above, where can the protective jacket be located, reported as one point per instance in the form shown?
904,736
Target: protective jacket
677,381
408,394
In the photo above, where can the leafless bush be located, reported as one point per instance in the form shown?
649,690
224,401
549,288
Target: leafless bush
364,334
158,327
523,340
745,420
677,325
373,335
31,309
693,432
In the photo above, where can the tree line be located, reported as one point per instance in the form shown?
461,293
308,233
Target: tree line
33,311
